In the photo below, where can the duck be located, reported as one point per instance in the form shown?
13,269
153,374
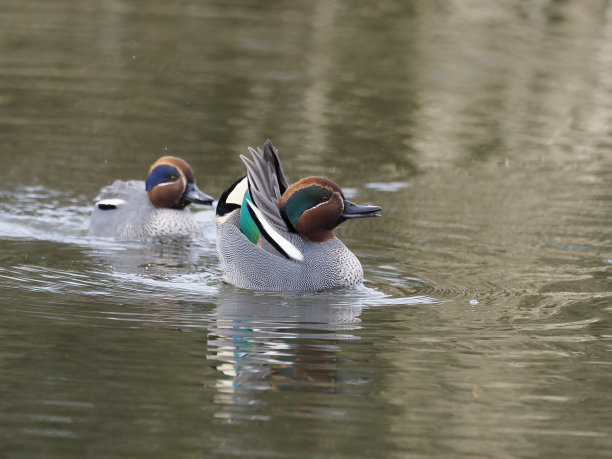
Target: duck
272,236
136,209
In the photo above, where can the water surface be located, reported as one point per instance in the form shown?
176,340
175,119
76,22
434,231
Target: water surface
483,328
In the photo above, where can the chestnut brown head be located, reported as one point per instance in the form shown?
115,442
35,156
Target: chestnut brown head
171,184
314,206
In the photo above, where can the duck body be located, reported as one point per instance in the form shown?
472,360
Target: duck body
326,265
136,209
123,210
276,237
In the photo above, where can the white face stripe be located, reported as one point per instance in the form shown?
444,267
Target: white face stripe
164,184
283,243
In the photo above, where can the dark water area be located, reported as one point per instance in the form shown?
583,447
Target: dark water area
484,324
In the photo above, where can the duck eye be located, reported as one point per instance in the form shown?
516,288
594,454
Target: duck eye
325,195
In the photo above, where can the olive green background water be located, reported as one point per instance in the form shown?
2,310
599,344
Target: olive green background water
484,325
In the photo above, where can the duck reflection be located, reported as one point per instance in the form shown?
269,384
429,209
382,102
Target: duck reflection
277,343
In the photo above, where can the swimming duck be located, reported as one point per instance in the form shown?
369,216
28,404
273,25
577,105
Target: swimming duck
157,207
272,236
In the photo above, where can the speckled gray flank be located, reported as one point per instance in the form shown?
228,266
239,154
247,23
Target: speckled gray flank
137,217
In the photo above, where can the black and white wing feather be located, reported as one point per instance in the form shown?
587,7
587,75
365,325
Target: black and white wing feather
267,182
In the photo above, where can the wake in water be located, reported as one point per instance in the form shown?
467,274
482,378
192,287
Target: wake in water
185,269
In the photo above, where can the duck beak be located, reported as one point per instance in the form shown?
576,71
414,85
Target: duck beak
194,194
352,210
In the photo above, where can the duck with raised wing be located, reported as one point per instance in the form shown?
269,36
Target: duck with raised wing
155,207
272,236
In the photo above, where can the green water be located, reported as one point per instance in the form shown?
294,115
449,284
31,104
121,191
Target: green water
484,325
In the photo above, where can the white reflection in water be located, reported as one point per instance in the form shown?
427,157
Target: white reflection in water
296,343
279,343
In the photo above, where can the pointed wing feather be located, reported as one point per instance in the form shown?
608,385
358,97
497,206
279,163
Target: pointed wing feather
271,151
267,183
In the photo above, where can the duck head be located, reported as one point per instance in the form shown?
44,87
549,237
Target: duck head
171,184
314,206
